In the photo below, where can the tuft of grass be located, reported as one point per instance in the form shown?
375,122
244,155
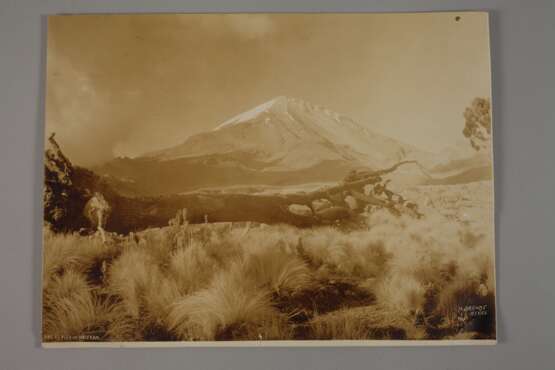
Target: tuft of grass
237,304
145,292
357,254
192,268
372,322
280,272
405,293
233,307
72,310
63,252
160,243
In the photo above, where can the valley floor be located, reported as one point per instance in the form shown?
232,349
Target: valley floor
396,277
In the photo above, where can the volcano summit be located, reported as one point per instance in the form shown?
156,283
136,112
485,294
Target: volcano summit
283,141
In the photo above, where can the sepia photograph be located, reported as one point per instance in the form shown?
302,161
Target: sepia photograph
268,179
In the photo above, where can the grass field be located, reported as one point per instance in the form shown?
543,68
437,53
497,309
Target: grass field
393,278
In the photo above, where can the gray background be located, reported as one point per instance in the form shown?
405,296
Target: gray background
523,47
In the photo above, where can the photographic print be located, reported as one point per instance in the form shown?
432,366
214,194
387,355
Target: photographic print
268,179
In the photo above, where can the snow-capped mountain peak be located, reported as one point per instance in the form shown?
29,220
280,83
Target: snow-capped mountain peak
280,105
277,103
289,133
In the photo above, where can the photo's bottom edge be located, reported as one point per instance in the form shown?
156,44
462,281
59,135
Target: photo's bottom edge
269,343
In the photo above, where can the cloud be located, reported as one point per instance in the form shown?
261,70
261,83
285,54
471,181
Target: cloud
129,84
247,27
85,118
251,26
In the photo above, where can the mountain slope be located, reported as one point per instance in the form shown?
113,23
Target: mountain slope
287,133
284,141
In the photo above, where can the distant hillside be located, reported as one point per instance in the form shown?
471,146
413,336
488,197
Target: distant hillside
68,188
150,177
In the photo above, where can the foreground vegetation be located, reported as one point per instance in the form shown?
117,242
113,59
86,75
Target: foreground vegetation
396,278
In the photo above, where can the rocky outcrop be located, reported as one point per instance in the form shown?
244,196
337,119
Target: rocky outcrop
300,210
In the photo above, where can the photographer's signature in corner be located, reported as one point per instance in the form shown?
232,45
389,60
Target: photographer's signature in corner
473,310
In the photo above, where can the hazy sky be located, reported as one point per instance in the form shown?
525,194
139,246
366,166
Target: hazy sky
128,84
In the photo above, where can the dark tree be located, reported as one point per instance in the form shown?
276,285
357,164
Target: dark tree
477,126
